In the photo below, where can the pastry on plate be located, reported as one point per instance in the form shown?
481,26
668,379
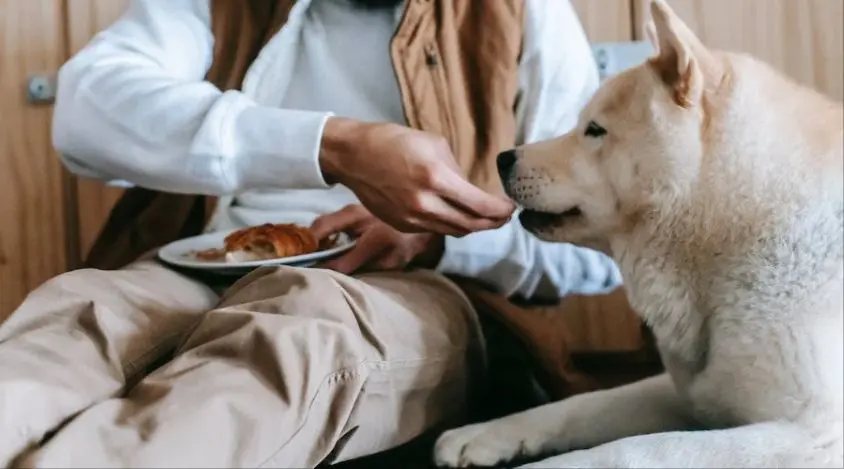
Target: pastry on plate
269,241
266,242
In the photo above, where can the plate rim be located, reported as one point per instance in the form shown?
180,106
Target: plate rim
164,254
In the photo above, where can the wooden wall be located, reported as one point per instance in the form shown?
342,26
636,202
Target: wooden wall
33,203
802,38
48,219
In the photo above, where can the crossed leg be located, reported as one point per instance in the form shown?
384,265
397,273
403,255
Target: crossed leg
292,362
81,337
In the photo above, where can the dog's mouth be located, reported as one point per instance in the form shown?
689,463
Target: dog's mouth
538,219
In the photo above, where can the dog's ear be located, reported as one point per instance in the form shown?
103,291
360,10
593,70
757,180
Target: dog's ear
650,33
682,61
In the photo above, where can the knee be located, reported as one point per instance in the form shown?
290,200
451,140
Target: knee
93,283
286,291
65,289
73,281
420,313
61,299
83,286
320,293
146,289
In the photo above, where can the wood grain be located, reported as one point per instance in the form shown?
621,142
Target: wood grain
32,231
605,20
801,38
84,19
603,323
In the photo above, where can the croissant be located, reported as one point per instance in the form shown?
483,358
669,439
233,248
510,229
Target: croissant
270,241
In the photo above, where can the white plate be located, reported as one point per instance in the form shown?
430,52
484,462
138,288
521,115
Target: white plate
179,253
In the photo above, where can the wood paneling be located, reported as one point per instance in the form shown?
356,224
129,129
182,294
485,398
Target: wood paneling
95,200
605,20
802,38
32,231
600,323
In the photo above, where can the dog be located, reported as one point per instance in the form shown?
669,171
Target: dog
716,184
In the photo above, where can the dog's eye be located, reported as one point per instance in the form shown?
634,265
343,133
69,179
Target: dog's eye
594,130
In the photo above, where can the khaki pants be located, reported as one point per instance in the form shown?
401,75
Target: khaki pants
144,367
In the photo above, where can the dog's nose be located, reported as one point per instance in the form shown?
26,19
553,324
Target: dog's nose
505,161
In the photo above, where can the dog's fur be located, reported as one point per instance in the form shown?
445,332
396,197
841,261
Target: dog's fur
717,188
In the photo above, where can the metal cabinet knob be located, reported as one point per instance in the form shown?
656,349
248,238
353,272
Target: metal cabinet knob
41,89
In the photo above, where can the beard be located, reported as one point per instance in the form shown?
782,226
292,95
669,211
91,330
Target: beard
376,4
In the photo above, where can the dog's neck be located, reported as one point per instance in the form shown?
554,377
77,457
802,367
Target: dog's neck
663,293
677,269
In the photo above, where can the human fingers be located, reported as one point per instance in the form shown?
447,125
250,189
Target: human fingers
472,199
442,211
350,218
418,216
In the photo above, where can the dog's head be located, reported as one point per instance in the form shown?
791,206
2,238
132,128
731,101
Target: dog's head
638,141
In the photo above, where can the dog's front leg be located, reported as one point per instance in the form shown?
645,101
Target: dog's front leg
772,444
582,421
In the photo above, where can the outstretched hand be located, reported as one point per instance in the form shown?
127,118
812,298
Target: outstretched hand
379,246
408,178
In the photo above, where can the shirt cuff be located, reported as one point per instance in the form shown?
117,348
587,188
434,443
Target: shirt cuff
515,263
484,256
273,148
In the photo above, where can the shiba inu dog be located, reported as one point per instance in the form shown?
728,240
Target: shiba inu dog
717,185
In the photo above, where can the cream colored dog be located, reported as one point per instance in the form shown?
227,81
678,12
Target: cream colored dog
716,185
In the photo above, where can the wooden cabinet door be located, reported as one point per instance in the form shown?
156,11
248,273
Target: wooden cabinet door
94,199
32,182
802,38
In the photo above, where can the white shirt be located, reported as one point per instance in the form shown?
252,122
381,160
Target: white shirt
133,108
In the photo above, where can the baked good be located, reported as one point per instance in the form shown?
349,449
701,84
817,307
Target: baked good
269,241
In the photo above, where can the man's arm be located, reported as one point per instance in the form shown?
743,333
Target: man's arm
133,105
557,77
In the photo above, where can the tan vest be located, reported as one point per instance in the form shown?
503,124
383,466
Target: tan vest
456,62
457,66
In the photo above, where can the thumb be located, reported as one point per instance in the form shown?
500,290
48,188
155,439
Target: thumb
349,218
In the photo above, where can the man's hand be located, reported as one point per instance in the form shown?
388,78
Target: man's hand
408,178
379,246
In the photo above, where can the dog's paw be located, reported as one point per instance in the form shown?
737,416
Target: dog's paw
483,445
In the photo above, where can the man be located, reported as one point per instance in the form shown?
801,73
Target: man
145,366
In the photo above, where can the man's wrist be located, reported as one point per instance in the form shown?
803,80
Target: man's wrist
337,144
